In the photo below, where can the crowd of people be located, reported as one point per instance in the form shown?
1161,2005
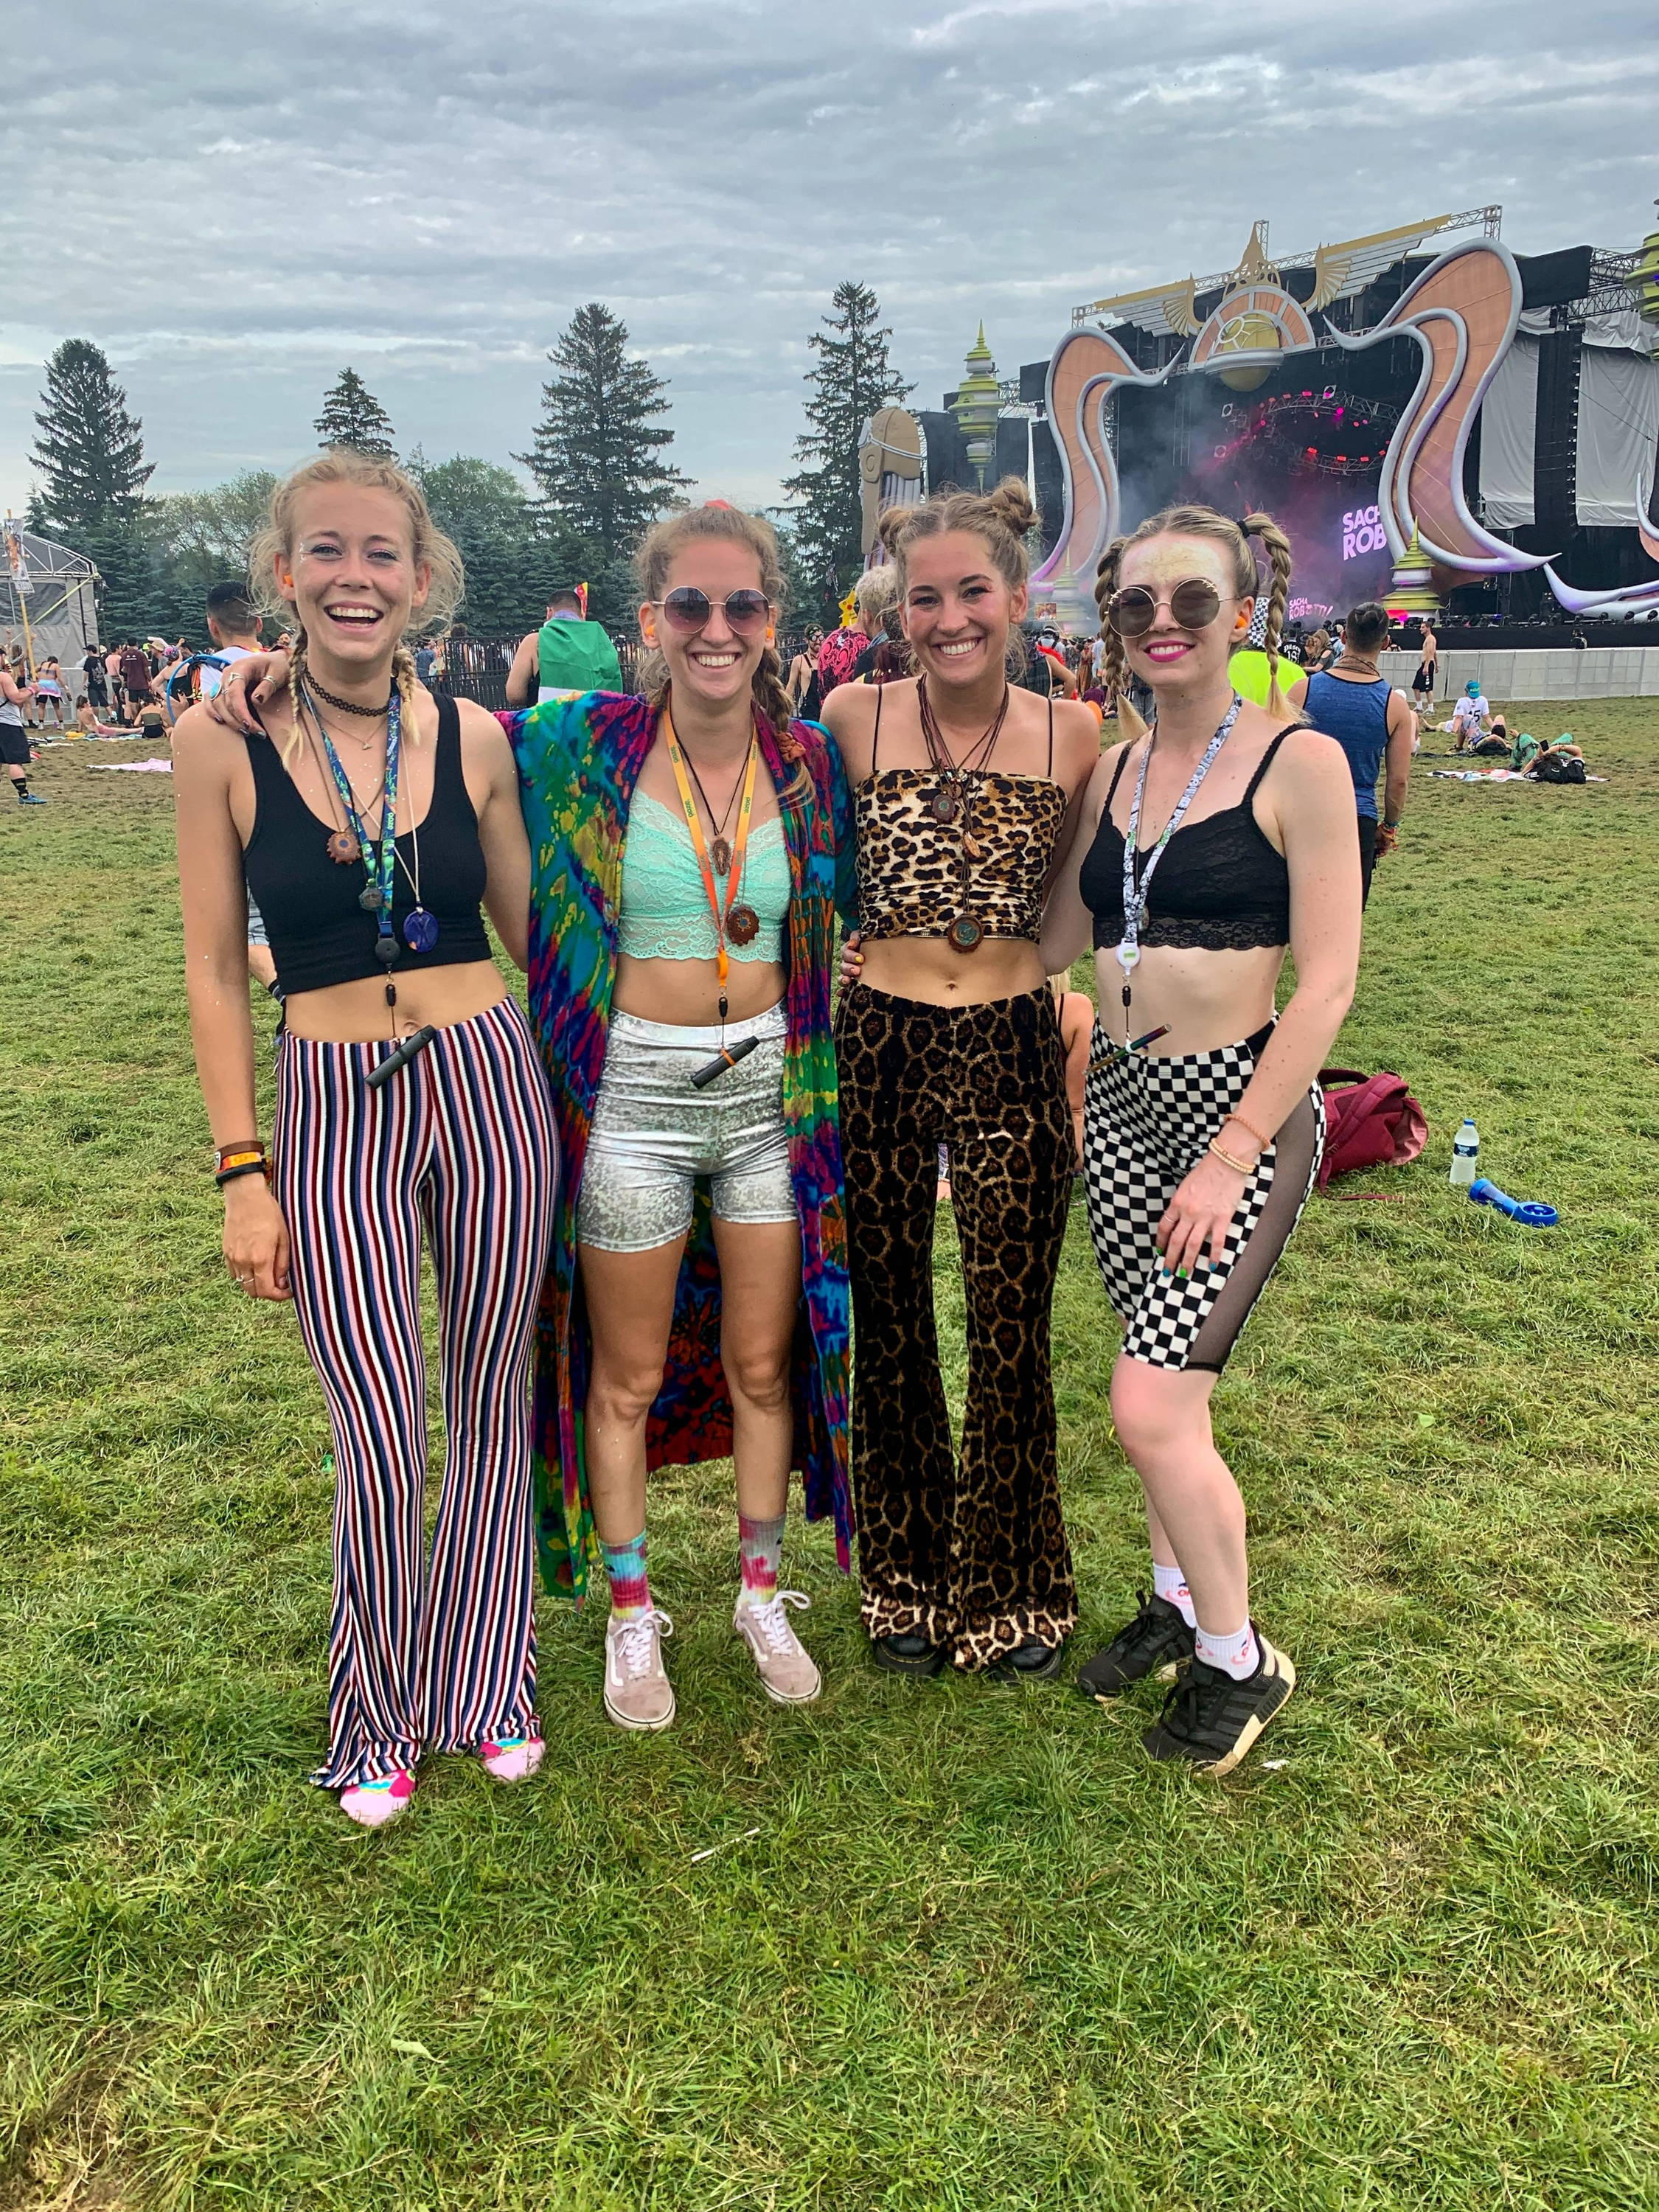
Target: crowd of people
683,1209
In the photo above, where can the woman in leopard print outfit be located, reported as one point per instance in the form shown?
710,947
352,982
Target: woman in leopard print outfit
966,794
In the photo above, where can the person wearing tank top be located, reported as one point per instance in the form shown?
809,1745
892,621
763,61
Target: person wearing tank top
966,795
1210,846
370,820
689,848
1372,723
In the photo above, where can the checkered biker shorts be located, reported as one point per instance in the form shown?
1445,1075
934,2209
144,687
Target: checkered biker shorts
1146,1124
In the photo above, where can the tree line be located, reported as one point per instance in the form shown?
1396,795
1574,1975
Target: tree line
597,458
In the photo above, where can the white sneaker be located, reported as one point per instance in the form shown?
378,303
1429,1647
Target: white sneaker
638,1693
786,1671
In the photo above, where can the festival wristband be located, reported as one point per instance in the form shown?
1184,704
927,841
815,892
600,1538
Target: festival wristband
243,1148
258,1167
1238,1167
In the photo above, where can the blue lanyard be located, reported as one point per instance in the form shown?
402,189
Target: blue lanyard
379,862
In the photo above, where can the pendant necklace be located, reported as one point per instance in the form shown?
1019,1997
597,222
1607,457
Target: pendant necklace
734,920
957,790
719,852
1136,894
379,858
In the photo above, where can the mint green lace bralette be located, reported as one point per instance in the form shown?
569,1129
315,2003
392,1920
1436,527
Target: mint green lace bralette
665,907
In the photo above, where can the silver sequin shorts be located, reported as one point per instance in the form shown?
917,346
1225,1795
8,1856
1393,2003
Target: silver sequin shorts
653,1135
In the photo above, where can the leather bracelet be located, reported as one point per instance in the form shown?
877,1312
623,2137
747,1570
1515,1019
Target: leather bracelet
243,1145
258,1167
1248,1128
1238,1167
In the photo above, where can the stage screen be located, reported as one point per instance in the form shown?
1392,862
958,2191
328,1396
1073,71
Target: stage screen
1305,445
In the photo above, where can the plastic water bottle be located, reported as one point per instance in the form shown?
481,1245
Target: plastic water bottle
1465,1156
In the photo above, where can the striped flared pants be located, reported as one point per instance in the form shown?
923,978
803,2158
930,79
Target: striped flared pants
427,1654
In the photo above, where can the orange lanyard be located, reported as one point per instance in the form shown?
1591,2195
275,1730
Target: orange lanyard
734,877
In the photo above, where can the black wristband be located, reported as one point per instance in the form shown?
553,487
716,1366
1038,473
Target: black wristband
230,1175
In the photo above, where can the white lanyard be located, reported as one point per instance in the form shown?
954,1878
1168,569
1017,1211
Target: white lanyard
1134,900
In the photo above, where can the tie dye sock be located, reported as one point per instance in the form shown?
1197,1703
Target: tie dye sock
630,1593
762,1542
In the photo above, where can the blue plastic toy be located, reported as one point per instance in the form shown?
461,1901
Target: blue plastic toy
1527,1210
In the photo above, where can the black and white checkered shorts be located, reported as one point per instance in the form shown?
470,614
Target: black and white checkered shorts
1146,1124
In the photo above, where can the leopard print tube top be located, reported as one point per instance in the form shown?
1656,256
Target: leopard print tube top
910,864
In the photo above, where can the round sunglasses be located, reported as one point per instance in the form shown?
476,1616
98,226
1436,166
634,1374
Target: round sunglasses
687,610
1194,605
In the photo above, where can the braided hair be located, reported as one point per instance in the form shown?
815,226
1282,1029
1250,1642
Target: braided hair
1195,521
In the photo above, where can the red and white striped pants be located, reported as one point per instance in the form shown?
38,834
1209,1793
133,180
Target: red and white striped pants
434,1655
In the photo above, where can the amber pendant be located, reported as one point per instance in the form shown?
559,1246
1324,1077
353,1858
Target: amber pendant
742,925
966,933
344,848
972,847
720,855
944,804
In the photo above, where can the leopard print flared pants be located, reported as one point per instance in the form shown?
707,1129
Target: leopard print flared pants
969,1551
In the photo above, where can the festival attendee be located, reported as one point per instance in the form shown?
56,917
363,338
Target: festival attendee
1471,718
569,655
14,752
134,675
117,697
1075,1013
1353,704
1317,648
1218,841
95,677
1549,762
841,649
370,820
88,722
233,626
1428,670
49,692
965,795
802,685
681,991
884,656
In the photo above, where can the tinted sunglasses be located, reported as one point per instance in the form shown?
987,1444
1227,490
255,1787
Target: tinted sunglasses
1194,605
687,609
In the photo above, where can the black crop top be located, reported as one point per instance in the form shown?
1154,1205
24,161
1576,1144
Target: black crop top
320,935
1220,885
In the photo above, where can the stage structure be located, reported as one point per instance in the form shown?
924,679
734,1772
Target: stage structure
46,599
1424,423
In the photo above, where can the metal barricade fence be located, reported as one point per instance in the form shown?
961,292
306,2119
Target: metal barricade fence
477,667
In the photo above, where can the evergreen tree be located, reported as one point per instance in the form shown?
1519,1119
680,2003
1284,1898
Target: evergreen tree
353,416
853,377
514,557
90,451
598,450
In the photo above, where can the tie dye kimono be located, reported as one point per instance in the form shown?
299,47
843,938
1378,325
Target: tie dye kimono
579,763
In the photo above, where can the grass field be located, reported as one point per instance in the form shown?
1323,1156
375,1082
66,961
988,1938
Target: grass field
978,1955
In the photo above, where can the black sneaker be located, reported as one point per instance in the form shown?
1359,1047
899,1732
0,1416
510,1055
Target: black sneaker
907,1655
1029,1661
1154,1643
1211,1720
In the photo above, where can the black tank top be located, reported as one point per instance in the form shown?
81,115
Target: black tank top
1221,885
320,935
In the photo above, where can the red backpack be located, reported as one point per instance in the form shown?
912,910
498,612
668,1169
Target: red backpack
1371,1121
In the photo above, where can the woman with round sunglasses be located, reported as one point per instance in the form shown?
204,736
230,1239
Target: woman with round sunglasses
685,852
1212,844
967,792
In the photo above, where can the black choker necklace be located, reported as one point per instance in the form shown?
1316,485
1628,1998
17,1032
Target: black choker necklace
345,706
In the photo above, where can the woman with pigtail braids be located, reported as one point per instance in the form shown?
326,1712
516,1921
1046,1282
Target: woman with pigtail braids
1212,844
409,1101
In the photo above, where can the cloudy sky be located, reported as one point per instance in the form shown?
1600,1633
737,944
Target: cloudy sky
233,200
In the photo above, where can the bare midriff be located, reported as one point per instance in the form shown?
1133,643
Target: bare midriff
688,991
1207,999
931,969
357,1013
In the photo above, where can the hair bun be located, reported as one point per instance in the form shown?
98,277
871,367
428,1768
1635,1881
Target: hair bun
891,527
1012,505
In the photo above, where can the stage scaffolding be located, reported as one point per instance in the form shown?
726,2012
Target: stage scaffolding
47,601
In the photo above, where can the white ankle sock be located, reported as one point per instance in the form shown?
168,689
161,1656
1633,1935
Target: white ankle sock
1170,1585
1237,1655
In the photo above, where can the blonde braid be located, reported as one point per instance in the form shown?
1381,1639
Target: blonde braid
1278,548
403,675
770,696
296,673
1114,667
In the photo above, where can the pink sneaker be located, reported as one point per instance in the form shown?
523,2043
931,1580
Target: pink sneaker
511,1757
372,1804
786,1671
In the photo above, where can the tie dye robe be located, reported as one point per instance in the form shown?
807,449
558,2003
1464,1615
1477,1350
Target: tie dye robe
579,763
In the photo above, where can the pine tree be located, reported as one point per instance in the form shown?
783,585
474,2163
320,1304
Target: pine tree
90,451
353,416
597,453
851,379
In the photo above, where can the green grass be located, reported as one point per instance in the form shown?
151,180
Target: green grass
981,1954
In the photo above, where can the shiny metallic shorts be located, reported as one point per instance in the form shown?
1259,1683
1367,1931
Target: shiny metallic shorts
654,1135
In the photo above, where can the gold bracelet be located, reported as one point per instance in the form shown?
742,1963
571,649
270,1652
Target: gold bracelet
1238,1167
1249,1130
